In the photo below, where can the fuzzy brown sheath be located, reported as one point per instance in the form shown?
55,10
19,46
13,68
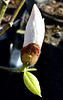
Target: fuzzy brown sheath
30,54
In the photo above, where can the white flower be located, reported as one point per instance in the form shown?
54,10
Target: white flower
33,38
35,28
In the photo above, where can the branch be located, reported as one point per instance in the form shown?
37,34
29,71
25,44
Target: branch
12,18
3,7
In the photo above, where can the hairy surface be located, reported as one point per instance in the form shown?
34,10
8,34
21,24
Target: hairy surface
30,54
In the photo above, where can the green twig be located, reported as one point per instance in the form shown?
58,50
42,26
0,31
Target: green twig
18,70
8,69
12,18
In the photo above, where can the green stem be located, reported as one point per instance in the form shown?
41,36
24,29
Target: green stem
18,70
6,27
3,7
8,69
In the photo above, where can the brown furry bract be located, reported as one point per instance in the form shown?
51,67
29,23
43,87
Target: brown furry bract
30,54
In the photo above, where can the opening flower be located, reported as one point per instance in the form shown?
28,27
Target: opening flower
34,36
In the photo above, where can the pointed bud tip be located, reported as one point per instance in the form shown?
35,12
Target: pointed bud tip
40,95
36,9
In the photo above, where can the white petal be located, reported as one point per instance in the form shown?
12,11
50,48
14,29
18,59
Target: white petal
35,28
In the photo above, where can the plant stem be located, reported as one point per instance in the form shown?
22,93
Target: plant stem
18,70
9,69
13,17
3,7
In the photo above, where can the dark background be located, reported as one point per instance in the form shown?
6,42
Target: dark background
49,73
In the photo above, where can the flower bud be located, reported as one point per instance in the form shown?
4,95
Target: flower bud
33,39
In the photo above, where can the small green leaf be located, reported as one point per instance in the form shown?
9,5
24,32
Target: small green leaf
32,83
20,31
31,69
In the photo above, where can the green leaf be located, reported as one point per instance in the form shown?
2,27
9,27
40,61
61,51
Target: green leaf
20,31
32,83
31,69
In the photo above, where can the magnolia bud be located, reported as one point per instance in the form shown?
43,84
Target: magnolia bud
33,38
